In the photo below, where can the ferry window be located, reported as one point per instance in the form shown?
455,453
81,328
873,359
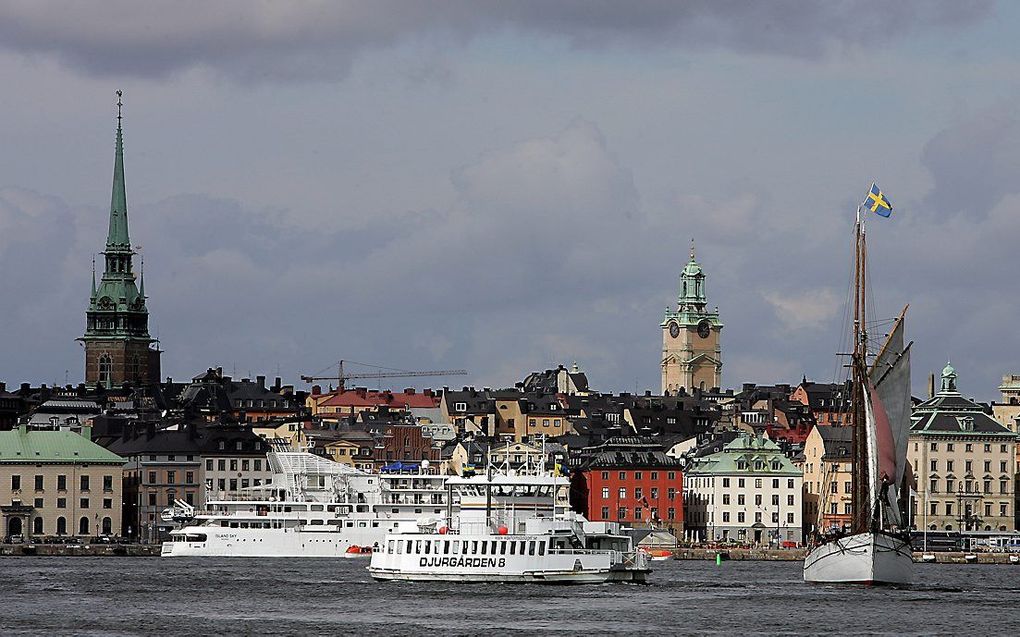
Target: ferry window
541,548
375,524
350,525
523,544
417,547
531,547
492,547
400,547
287,509
389,546
474,547
316,507
446,546
233,525
435,547
502,547
428,547
484,546
456,547
409,546
513,548
316,522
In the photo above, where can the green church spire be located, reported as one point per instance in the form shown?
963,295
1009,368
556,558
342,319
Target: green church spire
117,239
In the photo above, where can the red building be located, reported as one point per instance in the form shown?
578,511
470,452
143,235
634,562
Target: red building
629,480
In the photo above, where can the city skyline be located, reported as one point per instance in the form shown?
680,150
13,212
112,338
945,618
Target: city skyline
422,204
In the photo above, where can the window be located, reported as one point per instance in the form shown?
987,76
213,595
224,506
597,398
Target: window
671,475
789,500
833,508
83,503
38,503
934,486
171,477
621,513
757,483
637,513
740,483
61,526
637,475
949,508
848,487
605,493
988,448
83,526
152,477
726,498
934,464
61,483
605,475
189,477
623,475
623,493
835,487
1003,510
775,499
934,508
671,493
740,499
726,516
775,518
967,447
740,517
38,483
61,503
757,499
37,526
950,483
789,483
671,513
233,464
107,503
105,370
638,493
152,499
460,406
655,493
605,513
775,483
208,464
15,483
934,446
107,483
726,483
221,464
949,466
968,465
258,463
655,475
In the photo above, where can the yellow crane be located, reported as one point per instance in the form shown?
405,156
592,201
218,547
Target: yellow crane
342,376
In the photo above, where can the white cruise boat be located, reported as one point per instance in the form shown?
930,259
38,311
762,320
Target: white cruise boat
511,528
312,508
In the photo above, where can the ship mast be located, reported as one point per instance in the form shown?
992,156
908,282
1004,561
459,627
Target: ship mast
861,506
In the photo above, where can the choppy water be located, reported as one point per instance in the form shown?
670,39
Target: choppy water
141,596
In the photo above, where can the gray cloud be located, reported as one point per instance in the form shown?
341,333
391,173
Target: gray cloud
320,40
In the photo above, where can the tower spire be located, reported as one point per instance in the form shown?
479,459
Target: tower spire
692,248
93,297
117,239
141,282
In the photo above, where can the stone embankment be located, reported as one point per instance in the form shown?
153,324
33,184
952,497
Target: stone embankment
82,550
794,555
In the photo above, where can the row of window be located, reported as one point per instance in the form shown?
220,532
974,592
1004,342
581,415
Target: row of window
968,466
968,447
84,483
245,464
933,509
639,475
639,493
639,512
969,486
698,483
701,517
758,499
466,547
83,503
171,477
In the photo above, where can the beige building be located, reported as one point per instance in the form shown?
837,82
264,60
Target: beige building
1007,412
58,483
963,461
691,354
828,483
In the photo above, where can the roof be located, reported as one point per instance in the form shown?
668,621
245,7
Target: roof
948,412
746,454
374,398
21,446
837,442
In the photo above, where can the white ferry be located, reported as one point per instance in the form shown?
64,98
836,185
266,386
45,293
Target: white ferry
312,508
511,528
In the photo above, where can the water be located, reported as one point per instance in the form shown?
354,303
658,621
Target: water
139,596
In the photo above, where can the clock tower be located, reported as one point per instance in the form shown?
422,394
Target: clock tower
691,355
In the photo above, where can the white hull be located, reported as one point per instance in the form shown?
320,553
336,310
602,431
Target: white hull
227,542
865,558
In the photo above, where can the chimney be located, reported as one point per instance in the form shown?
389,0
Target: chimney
409,391
86,432
219,371
931,385
316,390
3,386
25,387
261,380
278,384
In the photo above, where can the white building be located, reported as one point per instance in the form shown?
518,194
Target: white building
749,492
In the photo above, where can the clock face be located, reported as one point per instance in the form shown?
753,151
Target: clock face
674,330
704,329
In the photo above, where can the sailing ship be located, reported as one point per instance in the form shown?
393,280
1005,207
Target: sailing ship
875,548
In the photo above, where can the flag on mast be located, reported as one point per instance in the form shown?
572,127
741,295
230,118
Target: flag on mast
877,202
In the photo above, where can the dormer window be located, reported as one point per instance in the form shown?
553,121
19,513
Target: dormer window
460,406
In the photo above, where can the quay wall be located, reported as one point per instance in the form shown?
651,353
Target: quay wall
82,550
796,555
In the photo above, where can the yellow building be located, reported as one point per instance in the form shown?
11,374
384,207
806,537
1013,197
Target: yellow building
58,483
828,483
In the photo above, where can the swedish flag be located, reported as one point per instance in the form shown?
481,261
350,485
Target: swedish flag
877,202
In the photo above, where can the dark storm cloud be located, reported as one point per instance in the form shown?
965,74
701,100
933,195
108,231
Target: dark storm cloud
319,40
975,163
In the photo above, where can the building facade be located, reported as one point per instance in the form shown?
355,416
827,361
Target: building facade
118,347
749,493
57,483
828,482
691,353
629,480
964,464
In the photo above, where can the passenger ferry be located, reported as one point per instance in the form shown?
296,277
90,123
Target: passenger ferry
312,508
511,528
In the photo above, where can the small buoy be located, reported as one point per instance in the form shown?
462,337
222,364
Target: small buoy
718,559
443,530
503,530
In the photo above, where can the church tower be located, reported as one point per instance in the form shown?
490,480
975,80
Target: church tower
118,347
691,355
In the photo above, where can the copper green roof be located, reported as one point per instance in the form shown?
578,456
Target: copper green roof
746,454
21,446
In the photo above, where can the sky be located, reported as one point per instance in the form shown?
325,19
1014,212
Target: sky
503,187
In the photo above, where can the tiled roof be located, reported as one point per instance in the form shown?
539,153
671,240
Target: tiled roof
373,398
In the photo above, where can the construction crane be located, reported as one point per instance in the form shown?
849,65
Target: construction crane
342,377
